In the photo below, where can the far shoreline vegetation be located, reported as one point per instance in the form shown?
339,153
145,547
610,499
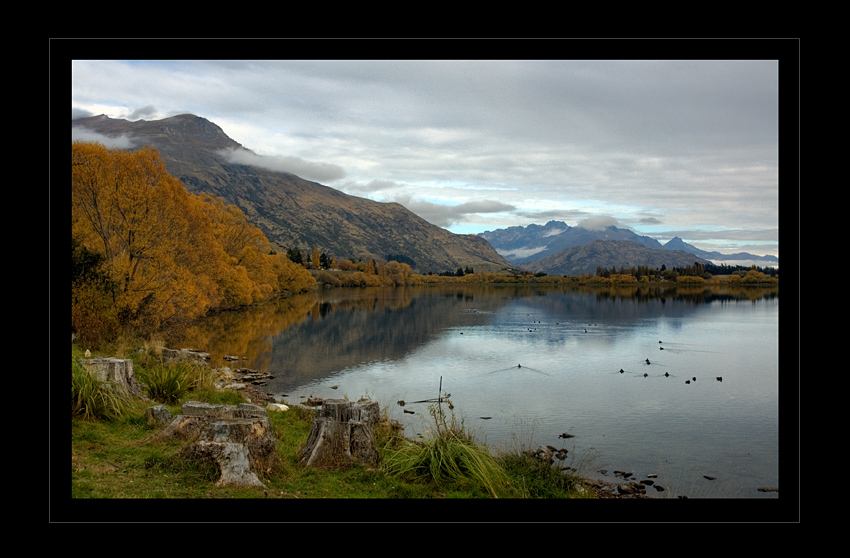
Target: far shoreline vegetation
394,274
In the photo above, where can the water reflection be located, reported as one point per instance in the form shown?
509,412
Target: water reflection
307,337
544,355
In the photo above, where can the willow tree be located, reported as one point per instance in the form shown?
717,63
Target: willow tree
169,255
126,206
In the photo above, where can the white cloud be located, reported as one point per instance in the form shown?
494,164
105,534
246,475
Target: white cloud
84,134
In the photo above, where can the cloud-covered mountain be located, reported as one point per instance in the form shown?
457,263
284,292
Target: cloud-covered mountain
523,245
520,245
291,211
586,258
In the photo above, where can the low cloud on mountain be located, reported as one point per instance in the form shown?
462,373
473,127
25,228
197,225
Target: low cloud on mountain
84,134
598,223
447,215
317,172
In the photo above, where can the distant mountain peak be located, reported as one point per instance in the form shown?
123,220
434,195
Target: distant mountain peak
586,258
521,245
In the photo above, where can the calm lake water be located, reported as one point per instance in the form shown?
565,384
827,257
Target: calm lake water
524,365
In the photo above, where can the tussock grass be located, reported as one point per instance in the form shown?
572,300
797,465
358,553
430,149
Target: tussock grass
92,399
166,383
169,383
451,459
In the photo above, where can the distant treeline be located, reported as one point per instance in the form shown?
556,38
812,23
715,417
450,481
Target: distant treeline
706,271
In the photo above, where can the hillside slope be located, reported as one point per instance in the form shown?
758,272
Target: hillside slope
293,212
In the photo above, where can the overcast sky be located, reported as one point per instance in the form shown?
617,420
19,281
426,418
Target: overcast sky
664,148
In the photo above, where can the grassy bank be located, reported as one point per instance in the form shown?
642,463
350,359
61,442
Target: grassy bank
111,456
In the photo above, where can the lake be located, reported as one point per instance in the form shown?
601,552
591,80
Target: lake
682,383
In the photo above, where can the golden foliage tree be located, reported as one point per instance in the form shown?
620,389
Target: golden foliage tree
170,256
316,257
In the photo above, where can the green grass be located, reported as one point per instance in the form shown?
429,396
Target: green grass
112,458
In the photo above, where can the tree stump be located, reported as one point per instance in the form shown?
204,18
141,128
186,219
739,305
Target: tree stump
115,371
342,433
239,439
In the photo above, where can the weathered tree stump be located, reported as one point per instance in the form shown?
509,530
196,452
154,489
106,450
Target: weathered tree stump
233,460
342,433
115,371
239,439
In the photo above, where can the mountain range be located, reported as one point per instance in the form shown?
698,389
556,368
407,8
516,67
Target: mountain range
533,247
586,258
293,212
296,213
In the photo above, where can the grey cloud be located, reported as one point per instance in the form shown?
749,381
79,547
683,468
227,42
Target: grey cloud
649,221
680,143
569,217
369,188
767,235
598,222
79,113
145,112
483,206
447,215
319,172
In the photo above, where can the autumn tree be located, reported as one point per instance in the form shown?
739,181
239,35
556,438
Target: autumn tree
250,274
127,207
166,256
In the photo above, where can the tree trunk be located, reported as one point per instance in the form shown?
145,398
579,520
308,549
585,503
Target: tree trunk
342,433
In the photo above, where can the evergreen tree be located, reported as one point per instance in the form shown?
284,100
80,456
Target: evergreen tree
294,254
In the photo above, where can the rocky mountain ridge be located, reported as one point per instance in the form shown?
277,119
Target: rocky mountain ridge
677,243
520,245
586,258
525,245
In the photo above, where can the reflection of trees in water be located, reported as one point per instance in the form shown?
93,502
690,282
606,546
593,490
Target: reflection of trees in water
305,337
368,325
616,303
244,333
696,294
700,295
